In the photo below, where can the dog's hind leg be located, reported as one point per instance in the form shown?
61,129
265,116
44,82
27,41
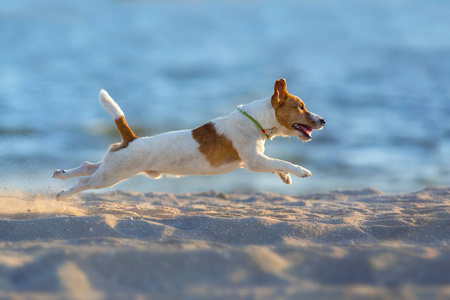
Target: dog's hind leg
82,185
86,183
105,176
85,169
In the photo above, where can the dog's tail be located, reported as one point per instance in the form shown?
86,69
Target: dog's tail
119,118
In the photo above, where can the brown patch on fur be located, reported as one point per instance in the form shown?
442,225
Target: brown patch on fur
125,131
290,109
216,148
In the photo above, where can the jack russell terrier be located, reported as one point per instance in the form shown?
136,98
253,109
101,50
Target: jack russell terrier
218,147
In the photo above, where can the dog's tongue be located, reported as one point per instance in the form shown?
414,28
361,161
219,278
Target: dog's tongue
306,128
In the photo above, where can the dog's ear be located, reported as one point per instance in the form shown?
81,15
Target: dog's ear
280,86
280,92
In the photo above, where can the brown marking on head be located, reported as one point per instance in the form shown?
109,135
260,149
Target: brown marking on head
125,131
291,110
217,148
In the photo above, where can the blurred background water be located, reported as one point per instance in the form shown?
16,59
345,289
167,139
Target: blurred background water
377,71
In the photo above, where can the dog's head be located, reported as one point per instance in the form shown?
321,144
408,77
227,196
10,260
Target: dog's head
292,114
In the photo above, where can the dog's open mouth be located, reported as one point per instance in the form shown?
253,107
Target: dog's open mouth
306,130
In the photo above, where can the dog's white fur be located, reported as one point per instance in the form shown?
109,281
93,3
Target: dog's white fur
177,153
108,103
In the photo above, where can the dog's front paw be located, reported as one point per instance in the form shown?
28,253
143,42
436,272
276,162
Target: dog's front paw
285,177
304,173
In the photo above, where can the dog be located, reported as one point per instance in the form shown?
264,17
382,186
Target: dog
217,147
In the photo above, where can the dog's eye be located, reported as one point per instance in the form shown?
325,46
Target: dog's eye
301,107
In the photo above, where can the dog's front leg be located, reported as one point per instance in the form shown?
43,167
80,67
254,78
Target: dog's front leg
262,163
285,177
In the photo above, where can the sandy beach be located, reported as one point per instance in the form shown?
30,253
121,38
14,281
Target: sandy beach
360,244
377,71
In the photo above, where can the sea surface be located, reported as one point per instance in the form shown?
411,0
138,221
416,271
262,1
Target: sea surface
377,71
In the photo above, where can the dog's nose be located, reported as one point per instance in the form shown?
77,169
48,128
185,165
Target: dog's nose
322,121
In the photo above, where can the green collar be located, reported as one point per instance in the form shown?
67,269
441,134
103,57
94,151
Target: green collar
254,121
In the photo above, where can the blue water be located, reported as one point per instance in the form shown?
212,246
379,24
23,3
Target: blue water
377,71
